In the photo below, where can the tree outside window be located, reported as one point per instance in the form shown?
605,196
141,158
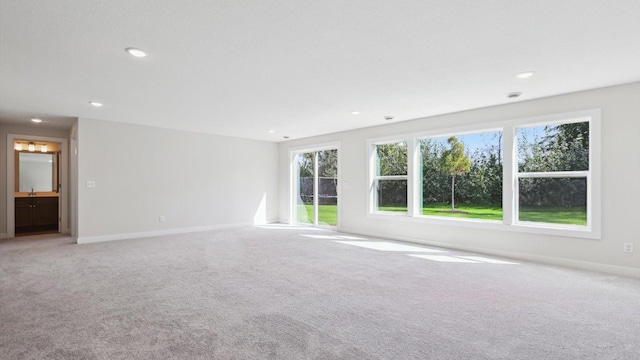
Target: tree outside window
462,176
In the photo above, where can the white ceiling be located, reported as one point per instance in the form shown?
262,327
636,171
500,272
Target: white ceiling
240,67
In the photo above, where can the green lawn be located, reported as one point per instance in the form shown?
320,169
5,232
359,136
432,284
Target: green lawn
328,214
304,214
570,216
470,212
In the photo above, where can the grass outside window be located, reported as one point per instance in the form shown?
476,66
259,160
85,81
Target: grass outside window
567,216
553,215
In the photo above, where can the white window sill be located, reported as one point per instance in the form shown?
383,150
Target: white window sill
522,227
391,213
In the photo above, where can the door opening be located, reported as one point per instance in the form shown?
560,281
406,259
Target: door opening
37,175
36,187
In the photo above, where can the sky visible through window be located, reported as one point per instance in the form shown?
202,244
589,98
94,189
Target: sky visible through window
473,142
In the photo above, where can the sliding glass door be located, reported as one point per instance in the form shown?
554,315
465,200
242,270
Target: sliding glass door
315,192
305,193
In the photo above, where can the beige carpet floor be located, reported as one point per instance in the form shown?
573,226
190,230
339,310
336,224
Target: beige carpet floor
278,292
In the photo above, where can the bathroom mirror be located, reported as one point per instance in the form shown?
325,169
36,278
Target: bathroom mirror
38,171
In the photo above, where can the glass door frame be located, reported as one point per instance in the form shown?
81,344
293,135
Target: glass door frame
295,185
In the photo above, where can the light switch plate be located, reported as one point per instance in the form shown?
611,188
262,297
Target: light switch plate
91,184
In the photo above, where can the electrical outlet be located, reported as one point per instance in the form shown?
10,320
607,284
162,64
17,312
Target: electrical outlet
161,219
628,247
91,184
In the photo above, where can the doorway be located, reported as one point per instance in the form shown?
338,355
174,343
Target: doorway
36,192
315,187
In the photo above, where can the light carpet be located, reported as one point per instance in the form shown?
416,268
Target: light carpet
280,292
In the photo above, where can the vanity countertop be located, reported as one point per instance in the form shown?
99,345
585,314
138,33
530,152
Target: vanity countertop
38,194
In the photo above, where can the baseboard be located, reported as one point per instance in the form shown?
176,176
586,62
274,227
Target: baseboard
575,264
145,234
6,236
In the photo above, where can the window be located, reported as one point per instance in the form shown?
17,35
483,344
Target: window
390,180
553,173
461,176
538,175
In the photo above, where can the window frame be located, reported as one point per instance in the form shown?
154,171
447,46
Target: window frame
374,178
419,164
577,174
510,176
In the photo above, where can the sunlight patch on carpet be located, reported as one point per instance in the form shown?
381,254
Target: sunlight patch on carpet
444,258
288,227
329,237
488,260
464,259
332,237
387,246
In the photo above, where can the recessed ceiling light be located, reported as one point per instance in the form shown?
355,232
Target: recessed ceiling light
525,74
36,120
95,103
271,131
135,52
355,112
513,95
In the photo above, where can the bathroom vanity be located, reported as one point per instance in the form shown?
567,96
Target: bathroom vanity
36,214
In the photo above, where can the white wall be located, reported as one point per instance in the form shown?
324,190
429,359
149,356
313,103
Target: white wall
6,129
195,180
620,106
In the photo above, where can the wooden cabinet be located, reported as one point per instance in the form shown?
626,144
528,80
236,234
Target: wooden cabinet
36,214
23,212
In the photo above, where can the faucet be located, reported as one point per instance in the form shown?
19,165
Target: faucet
32,193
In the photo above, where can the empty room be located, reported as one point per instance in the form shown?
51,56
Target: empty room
319,179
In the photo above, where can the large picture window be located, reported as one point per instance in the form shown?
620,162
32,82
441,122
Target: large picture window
539,175
461,176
